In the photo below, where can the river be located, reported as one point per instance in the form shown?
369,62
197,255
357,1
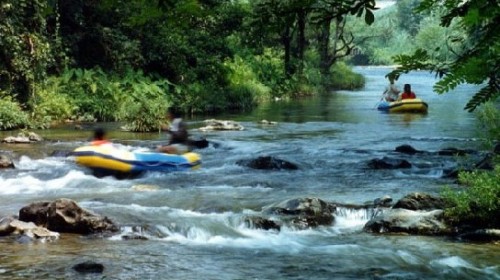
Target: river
197,217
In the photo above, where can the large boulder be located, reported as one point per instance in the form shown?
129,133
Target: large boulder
64,215
407,149
408,221
420,201
303,213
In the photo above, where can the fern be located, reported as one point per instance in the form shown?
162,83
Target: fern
489,92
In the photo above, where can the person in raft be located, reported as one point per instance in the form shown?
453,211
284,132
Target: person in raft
407,93
391,92
178,143
99,137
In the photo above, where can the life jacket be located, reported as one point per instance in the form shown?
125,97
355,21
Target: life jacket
408,95
99,142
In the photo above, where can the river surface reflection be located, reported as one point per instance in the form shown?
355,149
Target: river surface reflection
198,216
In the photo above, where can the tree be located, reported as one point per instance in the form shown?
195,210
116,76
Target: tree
476,62
24,48
290,19
329,14
287,19
408,19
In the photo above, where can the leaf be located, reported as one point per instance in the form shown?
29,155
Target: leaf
93,87
369,17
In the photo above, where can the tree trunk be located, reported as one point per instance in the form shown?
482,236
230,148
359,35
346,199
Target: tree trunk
323,47
301,38
287,42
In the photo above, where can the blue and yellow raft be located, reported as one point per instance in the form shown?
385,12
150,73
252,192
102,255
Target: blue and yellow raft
416,105
110,160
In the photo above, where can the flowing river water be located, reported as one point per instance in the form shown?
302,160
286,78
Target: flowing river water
197,217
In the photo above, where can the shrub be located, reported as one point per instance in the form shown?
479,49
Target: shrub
49,105
93,92
144,103
489,117
244,87
479,204
11,115
343,77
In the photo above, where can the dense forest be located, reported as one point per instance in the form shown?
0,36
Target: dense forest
127,60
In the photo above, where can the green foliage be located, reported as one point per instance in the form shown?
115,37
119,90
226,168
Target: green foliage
11,115
344,78
477,205
244,86
489,117
270,70
24,47
408,19
93,92
476,61
143,102
49,105
72,59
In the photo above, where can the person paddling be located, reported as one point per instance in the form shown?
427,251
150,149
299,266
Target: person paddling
391,92
179,137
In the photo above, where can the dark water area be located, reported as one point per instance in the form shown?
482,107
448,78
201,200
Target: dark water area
197,217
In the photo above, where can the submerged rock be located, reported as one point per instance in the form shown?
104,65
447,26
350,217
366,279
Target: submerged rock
303,213
213,124
6,162
198,143
455,152
388,163
23,138
407,149
482,235
268,163
89,267
262,223
266,122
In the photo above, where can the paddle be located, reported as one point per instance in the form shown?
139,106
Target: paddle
381,98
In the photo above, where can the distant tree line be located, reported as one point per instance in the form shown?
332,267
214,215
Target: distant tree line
127,60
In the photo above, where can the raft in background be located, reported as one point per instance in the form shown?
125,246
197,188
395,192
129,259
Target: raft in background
105,160
416,105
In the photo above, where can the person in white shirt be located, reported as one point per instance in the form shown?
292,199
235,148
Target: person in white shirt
391,92
178,143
